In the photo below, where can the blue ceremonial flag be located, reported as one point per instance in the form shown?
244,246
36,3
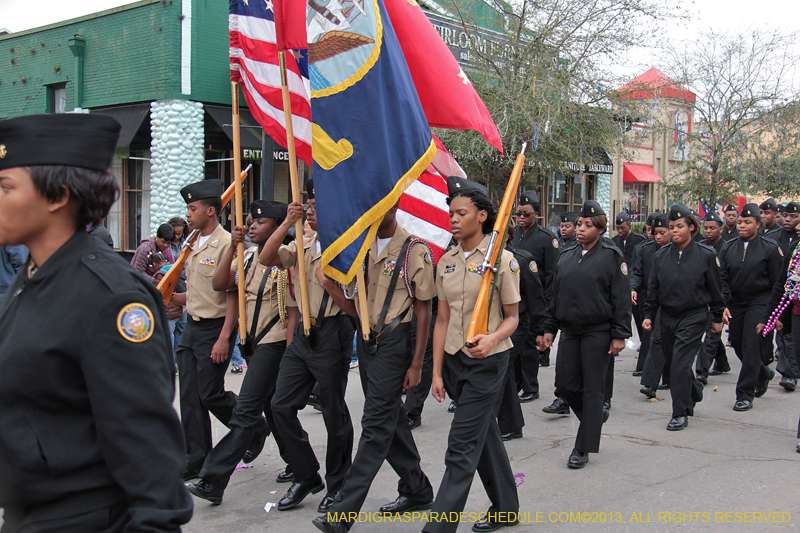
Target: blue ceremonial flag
370,137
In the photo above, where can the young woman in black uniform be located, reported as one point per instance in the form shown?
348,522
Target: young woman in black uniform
591,305
686,284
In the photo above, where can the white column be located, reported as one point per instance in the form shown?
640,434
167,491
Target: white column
177,156
603,194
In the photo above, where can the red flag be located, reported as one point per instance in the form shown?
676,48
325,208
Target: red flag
448,98
290,24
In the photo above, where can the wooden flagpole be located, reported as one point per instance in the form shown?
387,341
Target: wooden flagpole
237,173
363,311
298,227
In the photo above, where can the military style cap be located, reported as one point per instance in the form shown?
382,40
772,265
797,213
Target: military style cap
781,208
529,198
769,205
591,209
72,140
622,218
750,210
268,209
650,219
455,184
570,216
679,211
712,216
731,207
661,220
202,190
792,207
310,188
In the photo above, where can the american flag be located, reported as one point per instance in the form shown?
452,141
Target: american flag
254,64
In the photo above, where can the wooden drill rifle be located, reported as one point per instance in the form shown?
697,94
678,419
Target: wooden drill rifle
168,283
479,323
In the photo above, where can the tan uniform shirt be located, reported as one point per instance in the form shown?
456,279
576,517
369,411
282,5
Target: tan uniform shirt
288,255
202,301
269,299
379,275
458,283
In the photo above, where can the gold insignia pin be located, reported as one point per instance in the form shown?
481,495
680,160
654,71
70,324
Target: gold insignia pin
259,210
3,151
189,196
458,185
592,208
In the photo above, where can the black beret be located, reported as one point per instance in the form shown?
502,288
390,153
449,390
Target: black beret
679,211
750,210
529,198
661,220
570,216
781,208
202,190
268,209
731,207
310,188
792,207
650,219
455,184
769,205
622,218
712,216
591,209
72,140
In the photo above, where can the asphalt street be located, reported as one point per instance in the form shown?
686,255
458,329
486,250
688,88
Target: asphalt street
644,478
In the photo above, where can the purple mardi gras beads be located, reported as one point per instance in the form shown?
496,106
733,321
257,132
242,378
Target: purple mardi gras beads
791,290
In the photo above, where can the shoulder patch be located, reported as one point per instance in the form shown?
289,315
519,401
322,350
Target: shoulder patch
534,267
135,322
624,268
555,243
513,266
428,259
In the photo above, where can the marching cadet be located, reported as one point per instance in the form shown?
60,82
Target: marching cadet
322,357
769,226
399,280
591,305
90,441
751,265
788,365
475,376
648,227
684,284
207,341
640,273
729,231
712,349
779,215
567,229
271,311
627,241
542,244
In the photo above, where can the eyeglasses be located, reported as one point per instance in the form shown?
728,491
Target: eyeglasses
523,215
309,208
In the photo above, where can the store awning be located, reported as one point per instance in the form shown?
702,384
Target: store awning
637,173
131,118
250,138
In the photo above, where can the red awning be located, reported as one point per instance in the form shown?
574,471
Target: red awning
634,172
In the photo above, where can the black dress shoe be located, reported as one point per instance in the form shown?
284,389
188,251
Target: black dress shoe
558,407
790,384
191,473
742,405
650,392
299,490
528,397
486,525
606,414
718,371
285,477
512,435
577,459
607,405
404,504
763,385
702,379
544,362
322,523
414,422
257,444
663,386
207,491
325,505
313,401
677,423
637,373
452,407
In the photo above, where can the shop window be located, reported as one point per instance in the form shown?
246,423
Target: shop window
113,221
57,98
136,193
635,200
566,193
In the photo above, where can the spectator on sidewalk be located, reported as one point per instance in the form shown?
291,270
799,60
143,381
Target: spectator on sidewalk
161,242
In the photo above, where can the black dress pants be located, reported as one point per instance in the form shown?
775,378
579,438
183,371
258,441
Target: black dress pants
509,416
711,351
255,396
681,334
474,441
415,398
111,519
753,349
644,335
527,365
385,435
656,365
327,365
582,369
787,358
202,387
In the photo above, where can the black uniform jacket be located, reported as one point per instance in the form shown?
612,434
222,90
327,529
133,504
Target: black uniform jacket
628,247
728,235
773,233
779,289
543,246
86,389
642,266
683,282
531,291
563,245
749,274
591,289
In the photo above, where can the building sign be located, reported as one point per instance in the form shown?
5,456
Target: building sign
591,168
464,45
255,155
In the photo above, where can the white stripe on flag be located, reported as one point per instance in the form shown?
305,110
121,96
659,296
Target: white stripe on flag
424,229
254,28
270,75
429,195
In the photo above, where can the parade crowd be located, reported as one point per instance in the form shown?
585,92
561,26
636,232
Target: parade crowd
89,440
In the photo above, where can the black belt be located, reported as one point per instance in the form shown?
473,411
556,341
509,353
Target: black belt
200,319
